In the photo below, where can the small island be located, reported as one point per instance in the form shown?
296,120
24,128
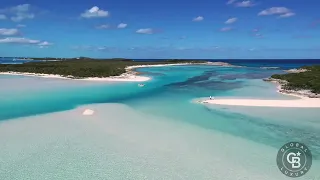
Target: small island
83,67
304,81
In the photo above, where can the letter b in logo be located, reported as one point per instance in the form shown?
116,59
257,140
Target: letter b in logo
294,160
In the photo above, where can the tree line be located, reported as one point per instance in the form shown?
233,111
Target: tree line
84,67
309,80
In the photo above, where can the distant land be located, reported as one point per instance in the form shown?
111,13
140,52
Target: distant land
84,67
159,59
303,81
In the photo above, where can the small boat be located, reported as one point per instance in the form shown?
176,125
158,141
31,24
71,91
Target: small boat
140,85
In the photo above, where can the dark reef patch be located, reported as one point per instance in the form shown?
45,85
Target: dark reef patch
204,81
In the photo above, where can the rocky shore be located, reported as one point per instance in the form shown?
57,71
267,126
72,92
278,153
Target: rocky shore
301,92
300,70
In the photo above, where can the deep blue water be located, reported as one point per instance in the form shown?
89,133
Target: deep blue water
281,63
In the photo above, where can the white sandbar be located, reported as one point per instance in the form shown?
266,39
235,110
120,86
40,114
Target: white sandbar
301,103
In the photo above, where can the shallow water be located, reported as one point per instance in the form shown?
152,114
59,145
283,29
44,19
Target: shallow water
119,142
154,132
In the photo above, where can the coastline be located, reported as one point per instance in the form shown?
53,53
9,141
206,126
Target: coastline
298,103
304,100
223,64
129,76
297,93
125,77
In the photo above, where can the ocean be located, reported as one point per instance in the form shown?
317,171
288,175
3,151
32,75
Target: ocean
152,132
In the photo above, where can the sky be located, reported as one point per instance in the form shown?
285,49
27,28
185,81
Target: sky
203,29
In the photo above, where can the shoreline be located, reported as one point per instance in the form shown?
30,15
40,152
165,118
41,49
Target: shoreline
223,64
297,93
129,76
303,100
126,77
297,103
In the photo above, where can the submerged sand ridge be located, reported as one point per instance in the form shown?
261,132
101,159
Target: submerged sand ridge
121,143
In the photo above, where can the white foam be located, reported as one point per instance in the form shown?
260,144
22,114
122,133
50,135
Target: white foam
88,112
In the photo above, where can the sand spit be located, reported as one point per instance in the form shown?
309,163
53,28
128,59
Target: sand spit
300,103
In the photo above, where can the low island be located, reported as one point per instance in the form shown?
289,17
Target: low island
90,69
304,81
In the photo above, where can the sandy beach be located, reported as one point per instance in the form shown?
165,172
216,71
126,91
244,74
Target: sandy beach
126,77
301,103
183,64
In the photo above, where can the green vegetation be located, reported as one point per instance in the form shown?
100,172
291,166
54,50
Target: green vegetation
83,67
304,80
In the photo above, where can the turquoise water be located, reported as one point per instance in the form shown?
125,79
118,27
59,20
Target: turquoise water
170,95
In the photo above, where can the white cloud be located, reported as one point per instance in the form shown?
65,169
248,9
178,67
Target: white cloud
289,14
95,12
245,4
104,26
145,31
231,2
226,29
259,35
19,13
281,11
199,18
122,25
19,17
101,48
16,40
3,17
21,8
231,20
8,32
21,26
45,43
